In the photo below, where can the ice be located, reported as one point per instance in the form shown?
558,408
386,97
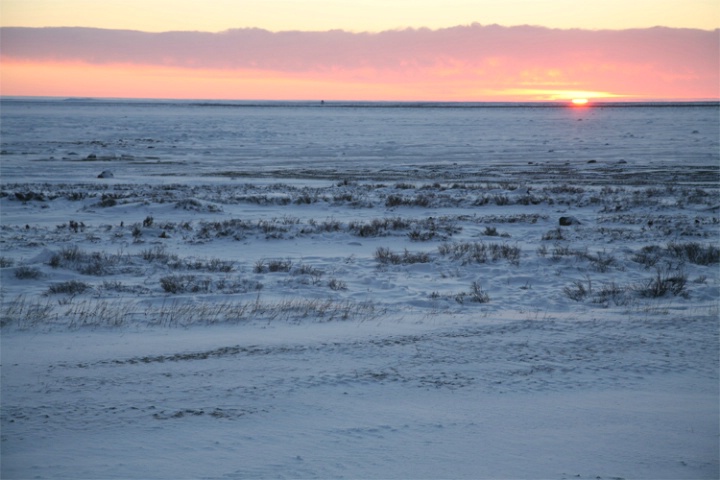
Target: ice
363,291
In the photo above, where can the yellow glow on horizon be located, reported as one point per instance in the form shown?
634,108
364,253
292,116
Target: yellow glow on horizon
579,101
549,95
24,78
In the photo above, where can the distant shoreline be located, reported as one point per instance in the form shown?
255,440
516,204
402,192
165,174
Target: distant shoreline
356,104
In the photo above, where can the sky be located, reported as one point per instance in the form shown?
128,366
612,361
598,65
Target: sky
412,50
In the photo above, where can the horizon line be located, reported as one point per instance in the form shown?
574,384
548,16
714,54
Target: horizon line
331,102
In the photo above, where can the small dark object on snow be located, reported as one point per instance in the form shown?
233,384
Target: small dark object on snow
106,174
567,221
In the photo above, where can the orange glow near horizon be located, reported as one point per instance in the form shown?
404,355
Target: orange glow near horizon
463,63
131,81
18,78
458,64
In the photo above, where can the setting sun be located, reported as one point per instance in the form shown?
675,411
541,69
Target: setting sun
579,101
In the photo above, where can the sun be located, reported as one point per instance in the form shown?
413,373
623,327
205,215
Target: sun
579,101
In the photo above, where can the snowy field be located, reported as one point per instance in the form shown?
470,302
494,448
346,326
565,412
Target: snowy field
302,292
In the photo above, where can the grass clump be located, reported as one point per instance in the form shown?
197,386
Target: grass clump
93,263
475,295
664,282
6,262
555,234
71,287
611,293
28,273
695,252
385,256
185,284
336,284
273,266
578,290
400,201
601,261
648,256
692,252
480,252
66,255
158,254
23,313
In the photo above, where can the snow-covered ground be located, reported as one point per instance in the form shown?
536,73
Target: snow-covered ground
376,313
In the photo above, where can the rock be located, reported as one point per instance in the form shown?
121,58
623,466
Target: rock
567,221
106,174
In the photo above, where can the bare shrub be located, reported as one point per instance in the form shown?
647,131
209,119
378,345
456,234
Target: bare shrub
555,234
501,200
611,293
477,294
504,251
480,252
648,256
692,252
71,287
96,263
188,204
28,273
695,253
601,261
378,226
157,254
578,290
260,266
386,256
560,251
664,282
315,274
336,284
69,254
107,200
217,265
399,200
185,284
279,266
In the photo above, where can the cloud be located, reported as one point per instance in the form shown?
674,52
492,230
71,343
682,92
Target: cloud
663,60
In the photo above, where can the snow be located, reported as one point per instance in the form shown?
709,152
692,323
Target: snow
301,292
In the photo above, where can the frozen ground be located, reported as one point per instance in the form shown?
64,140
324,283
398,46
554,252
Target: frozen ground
355,320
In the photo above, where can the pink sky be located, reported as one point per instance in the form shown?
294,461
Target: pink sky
466,63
